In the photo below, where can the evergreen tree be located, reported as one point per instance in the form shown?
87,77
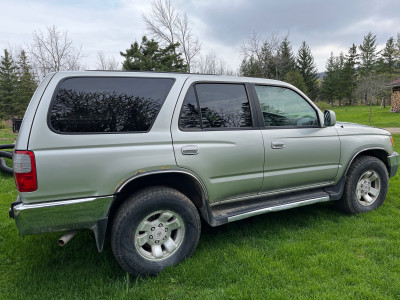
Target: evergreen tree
387,62
340,83
269,60
368,55
350,73
8,85
148,56
295,78
287,60
250,67
328,84
308,70
26,85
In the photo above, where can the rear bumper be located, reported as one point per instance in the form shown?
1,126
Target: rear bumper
59,215
393,162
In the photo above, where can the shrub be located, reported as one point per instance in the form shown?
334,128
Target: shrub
3,124
323,105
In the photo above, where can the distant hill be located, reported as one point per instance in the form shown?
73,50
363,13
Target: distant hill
321,75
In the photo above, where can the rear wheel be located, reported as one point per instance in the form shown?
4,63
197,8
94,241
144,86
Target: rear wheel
153,229
366,185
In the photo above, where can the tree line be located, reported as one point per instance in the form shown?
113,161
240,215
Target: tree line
17,85
362,73
170,45
273,58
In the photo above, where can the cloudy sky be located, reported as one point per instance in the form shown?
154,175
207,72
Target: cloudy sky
221,25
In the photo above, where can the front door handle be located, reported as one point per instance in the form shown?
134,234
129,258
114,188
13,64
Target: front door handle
190,150
278,145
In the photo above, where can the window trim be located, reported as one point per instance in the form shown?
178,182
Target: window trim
53,99
248,91
260,115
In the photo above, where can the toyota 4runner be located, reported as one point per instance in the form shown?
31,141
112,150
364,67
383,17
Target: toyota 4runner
145,155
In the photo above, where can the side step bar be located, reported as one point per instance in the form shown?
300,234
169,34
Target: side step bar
229,212
277,208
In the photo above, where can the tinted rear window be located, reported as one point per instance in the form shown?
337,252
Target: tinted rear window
106,105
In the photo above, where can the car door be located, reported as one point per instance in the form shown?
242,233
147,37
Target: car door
300,153
214,137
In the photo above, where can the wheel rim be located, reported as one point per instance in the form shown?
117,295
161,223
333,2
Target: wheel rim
368,188
159,235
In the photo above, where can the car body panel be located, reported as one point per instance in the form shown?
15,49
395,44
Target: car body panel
310,156
229,161
355,139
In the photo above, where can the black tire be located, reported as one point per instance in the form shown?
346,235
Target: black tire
150,206
359,195
5,168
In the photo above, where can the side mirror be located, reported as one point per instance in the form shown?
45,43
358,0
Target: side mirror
329,118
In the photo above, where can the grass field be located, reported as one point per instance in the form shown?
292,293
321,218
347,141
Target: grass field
380,117
313,252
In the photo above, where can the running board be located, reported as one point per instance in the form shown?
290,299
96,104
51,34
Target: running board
277,208
229,212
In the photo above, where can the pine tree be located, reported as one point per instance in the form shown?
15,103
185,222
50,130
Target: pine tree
148,56
350,73
287,60
295,78
250,67
340,83
328,84
308,70
387,62
26,85
8,85
368,55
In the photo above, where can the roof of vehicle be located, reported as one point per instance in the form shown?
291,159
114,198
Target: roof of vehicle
206,77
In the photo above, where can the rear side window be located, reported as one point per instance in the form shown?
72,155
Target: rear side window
216,105
107,105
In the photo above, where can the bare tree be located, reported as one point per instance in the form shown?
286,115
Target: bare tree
168,27
53,51
212,64
371,86
189,44
265,53
104,63
253,46
161,22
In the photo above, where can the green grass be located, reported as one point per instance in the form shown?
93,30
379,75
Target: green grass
313,252
360,114
7,134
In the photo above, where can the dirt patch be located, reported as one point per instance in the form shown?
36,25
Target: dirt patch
393,130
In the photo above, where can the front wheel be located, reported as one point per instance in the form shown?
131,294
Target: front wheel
366,185
155,228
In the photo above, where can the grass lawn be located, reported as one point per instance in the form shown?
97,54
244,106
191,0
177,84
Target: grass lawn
380,117
313,252
7,134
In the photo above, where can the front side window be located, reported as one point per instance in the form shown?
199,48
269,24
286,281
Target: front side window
283,107
107,104
216,105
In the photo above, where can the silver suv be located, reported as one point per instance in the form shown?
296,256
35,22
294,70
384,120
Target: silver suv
144,155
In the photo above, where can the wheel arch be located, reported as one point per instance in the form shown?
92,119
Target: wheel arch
184,181
379,153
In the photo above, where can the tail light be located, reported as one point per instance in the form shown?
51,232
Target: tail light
25,171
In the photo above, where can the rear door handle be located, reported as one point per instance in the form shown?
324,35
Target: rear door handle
278,145
190,150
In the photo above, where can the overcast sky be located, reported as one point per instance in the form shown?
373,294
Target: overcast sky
221,25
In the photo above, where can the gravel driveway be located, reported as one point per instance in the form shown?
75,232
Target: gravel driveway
393,130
